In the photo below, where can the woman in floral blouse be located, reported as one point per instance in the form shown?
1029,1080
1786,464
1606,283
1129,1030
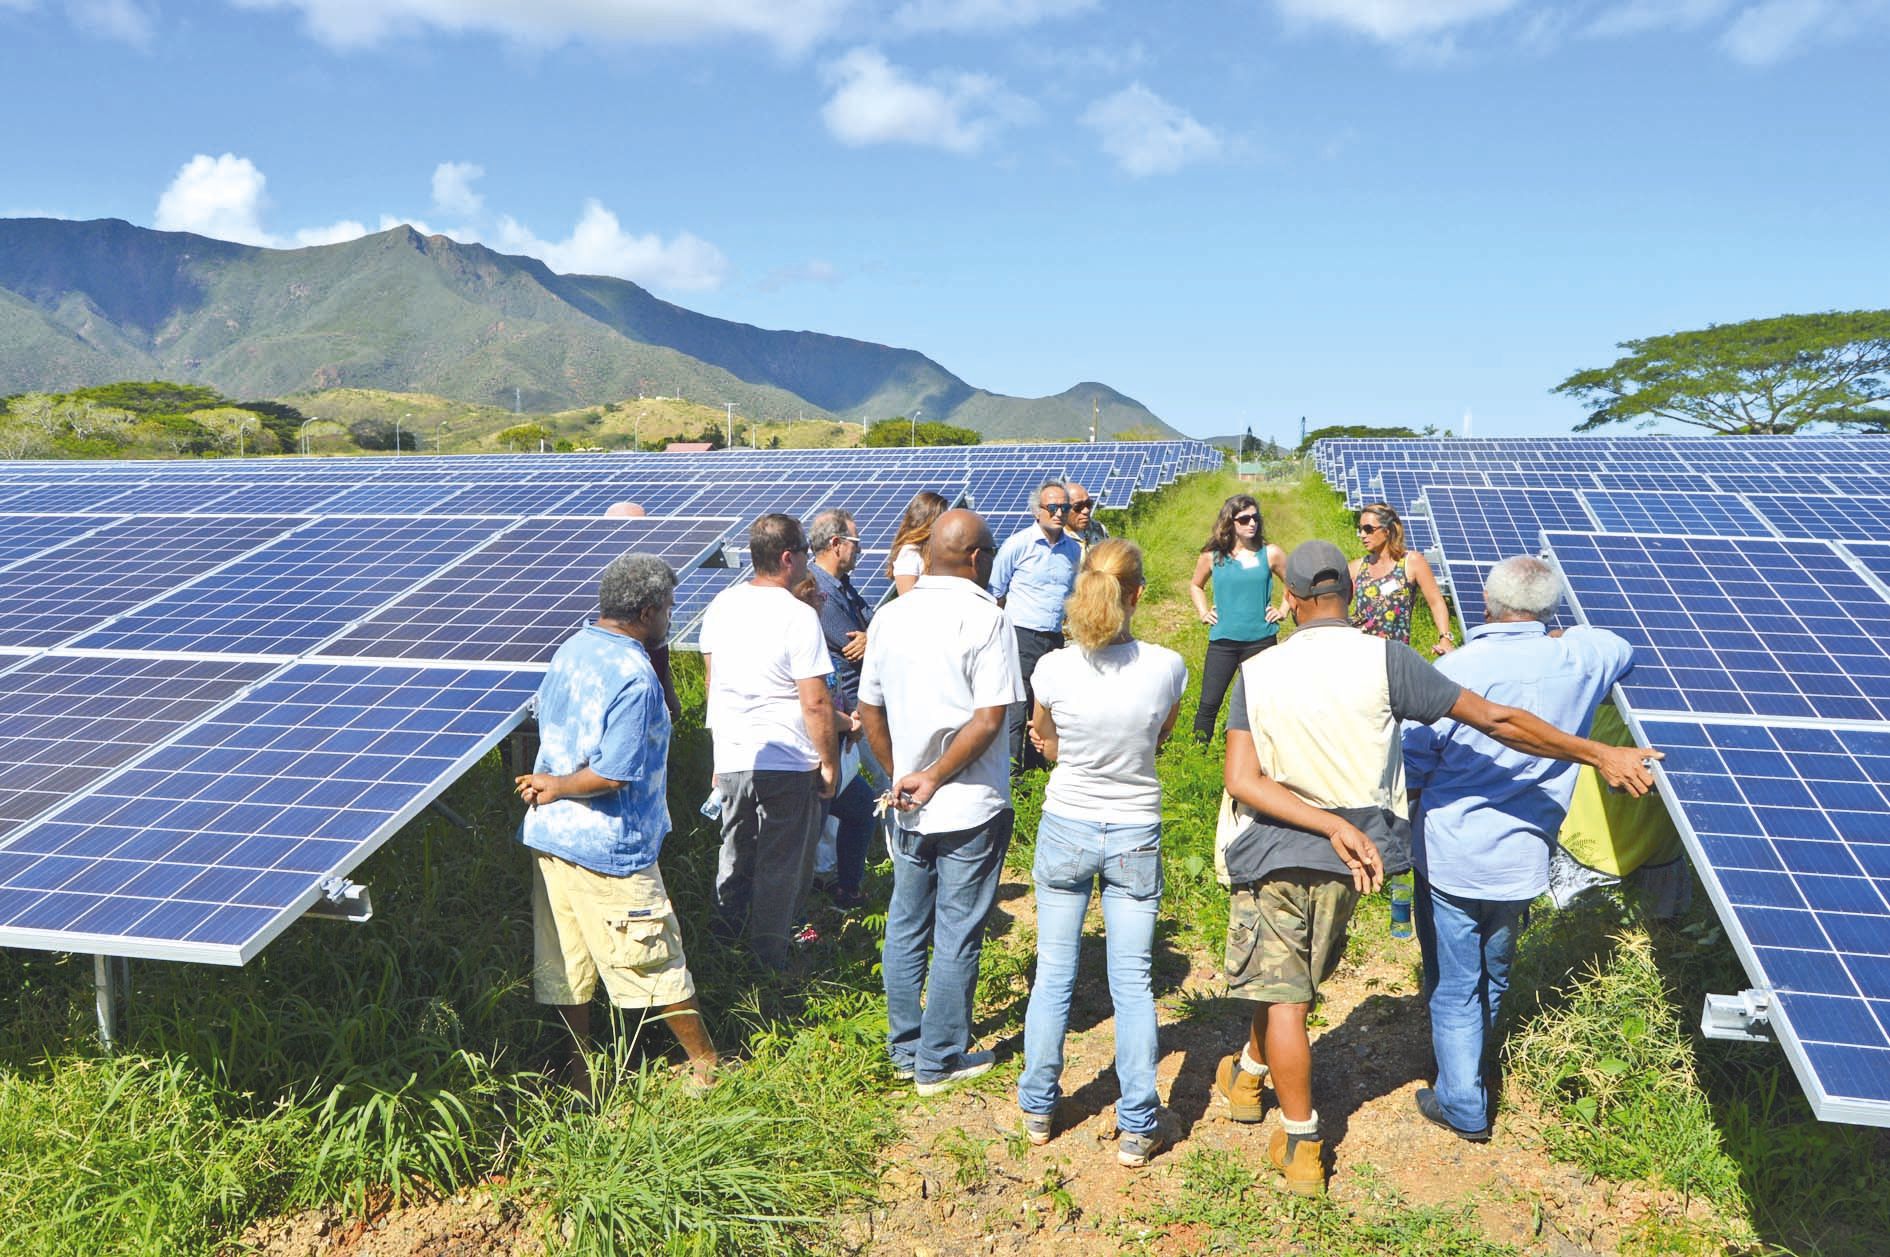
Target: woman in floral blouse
1387,580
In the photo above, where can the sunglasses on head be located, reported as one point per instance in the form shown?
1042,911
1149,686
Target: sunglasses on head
1249,518
1056,508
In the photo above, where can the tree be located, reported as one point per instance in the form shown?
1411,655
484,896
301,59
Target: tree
1362,430
519,436
1771,376
899,431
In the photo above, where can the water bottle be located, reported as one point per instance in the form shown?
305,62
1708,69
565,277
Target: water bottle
1401,906
712,806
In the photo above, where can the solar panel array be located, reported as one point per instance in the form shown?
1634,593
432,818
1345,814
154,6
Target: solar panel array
224,684
1752,578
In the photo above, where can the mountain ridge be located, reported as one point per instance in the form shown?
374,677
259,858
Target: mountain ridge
102,300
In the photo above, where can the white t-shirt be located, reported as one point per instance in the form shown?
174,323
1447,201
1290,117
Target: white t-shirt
1109,707
934,656
760,640
908,562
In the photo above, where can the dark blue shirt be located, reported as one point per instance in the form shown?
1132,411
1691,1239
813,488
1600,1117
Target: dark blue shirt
845,611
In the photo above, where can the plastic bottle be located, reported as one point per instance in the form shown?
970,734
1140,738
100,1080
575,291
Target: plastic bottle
712,806
1401,890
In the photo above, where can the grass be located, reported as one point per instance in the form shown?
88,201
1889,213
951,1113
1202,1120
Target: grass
350,1066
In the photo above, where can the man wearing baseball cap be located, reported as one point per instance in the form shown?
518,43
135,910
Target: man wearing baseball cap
1314,815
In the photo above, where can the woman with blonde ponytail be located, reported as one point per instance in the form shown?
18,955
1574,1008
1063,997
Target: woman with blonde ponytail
1104,705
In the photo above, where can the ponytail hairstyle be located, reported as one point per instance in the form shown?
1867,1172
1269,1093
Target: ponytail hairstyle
915,526
1220,542
1098,611
1394,527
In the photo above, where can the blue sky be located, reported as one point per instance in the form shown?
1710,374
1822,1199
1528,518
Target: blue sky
1236,211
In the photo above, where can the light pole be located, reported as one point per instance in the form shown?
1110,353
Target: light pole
397,423
731,424
916,412
239,437
301,436
439,441
638,448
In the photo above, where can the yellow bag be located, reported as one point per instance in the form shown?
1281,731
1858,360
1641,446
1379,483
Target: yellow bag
1611,832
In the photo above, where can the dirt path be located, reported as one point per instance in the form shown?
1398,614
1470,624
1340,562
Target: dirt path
964,1181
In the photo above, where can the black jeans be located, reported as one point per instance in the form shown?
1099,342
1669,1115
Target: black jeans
1217,673
1032,645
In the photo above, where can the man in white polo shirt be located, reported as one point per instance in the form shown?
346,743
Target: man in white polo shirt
936,687
771,722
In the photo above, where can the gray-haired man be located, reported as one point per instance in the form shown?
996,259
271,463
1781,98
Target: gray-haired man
599,814
1031,579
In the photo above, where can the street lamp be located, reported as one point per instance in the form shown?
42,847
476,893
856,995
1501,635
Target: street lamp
439,437
916,412
730,443
239,437
638,447
397,423
301,435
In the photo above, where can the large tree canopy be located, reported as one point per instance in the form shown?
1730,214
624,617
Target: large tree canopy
1772,375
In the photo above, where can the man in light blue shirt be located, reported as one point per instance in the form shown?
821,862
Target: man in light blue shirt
1485,819
598,815
1031,578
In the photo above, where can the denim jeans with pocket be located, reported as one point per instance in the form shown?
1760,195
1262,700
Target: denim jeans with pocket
1467,946
943,889
1072,856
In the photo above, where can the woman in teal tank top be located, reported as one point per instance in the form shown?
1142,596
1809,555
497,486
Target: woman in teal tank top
1242,567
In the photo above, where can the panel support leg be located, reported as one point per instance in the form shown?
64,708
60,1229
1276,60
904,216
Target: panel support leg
449,815
105,1000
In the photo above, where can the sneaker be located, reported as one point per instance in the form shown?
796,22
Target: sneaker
1038,1127
1300,1159
970,1065
903,1070
1433,1112
848,900
1135,1150
806,936
1240,1089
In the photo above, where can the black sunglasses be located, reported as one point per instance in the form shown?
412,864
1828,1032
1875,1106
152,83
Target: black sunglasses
1077,508
1248,518
1365,530
1056,508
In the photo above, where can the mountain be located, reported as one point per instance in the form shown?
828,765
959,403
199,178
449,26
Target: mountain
93,302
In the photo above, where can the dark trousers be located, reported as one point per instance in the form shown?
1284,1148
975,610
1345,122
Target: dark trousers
1032,645
853,808
1217,673
770,834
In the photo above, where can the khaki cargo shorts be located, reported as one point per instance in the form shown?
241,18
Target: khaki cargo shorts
587,925
1286,935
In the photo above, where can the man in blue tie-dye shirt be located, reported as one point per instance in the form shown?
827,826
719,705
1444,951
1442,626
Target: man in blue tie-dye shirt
599,814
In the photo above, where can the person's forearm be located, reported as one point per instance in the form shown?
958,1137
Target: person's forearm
1274,801
1532,735
973,738
878,734
1440,616
818,717
585,783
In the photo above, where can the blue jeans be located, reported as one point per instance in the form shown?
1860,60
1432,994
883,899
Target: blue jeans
1071,856
853,808
1467,946
943,889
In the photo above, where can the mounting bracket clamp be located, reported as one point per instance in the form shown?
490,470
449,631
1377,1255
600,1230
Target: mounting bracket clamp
1744,1017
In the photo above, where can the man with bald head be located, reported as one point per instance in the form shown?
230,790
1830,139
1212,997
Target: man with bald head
936,686
1083,525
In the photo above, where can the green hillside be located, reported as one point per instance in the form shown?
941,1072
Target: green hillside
96,302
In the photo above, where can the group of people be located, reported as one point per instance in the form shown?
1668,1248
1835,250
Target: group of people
1349,758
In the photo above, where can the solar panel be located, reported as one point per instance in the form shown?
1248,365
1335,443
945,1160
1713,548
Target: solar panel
1875,557
266,499
211,845
878,507
1710,635
1830,517
518,598
1652,481
67,499
1840,482
65,720
1419,535
499,499
22,536
390,499
1789,828
75,588
1705,514
1770,482
287,596
1402,487
695,590
1489,525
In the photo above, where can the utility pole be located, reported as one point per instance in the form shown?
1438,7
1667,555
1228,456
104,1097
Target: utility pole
730,443
439,437
1095,412
916,412
518,399
1302,431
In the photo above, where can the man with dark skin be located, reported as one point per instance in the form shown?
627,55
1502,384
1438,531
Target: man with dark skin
938,680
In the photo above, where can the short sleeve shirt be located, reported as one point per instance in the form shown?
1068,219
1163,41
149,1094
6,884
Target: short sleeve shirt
1418,690
761,641
601,705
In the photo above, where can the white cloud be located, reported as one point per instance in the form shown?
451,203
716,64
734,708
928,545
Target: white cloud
876,102
335,233
1147,135
815,271
1773,30
599,245
125,20
222,197
1393,21
791,25
1635,17
452,188
983,15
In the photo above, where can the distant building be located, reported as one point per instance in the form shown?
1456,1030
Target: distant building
687,447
